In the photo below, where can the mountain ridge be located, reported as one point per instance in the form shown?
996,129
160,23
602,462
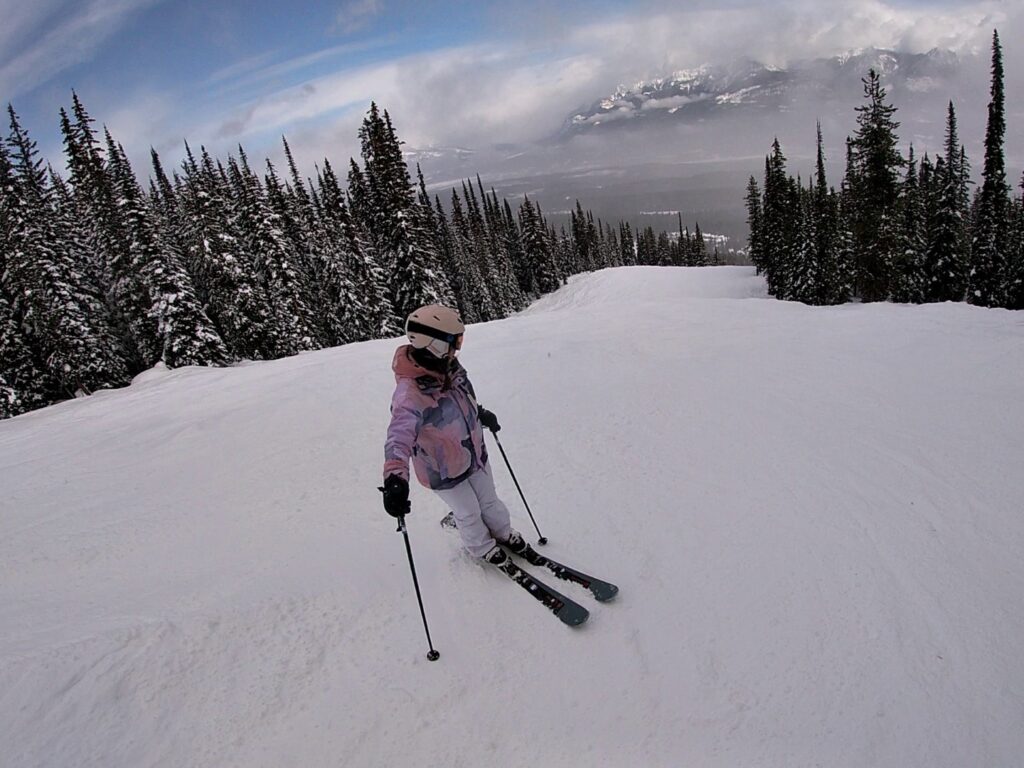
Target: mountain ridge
745,84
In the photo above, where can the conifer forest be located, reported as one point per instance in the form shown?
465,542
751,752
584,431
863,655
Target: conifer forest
900,228
102,278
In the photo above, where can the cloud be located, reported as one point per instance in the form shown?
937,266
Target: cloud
518,89
46,37
356,15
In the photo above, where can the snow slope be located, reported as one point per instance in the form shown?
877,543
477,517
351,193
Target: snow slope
814,516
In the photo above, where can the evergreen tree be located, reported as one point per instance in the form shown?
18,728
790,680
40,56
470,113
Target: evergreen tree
804,278
780,223
23,383
1015,271
223,269
945,191
516,250
276,264
478,305
700,248
67,322
908,275
349,273
396,222
537,249
875,190
754,226
627,245
181,332
824,209
989,249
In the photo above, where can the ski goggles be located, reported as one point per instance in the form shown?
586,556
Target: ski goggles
454,339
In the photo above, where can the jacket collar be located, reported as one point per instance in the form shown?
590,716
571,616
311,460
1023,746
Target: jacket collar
406,368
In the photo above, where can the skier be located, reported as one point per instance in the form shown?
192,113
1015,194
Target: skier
436,421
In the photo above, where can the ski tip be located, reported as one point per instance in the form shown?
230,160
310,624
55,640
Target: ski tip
608,592
574,618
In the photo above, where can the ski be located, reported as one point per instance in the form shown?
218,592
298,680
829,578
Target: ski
602,591
569,612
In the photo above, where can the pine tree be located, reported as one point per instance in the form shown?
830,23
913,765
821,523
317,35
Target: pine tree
700,248
755,226
182,332
908,274
349,270
1015,276
875,190
67,321
804,278
516,250
276,263
627,245
223,270
780,223
537,248
477,299
396,222
24,384
832,284
945,191
989,249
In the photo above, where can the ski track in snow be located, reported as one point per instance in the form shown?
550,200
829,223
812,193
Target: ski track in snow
814,516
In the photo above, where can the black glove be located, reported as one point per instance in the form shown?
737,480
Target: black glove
396,496
488,419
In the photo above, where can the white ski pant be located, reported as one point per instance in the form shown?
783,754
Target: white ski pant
480,515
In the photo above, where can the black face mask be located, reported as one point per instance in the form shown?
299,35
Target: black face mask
427,360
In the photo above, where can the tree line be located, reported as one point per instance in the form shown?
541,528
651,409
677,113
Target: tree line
899,228
101,278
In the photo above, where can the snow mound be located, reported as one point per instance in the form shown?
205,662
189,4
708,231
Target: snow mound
157,373
814,516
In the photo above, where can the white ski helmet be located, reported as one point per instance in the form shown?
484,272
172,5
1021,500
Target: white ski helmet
435,328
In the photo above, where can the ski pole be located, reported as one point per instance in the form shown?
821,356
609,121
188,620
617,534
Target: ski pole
432,655
543,539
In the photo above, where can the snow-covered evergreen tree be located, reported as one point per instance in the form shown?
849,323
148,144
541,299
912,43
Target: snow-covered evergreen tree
907,285
700,247
989,248
755,225
68,325
223,269
537,246
181,331
275,260
1015,271
804,278
479,306
351,270
875,189
944,189
780,221
384,199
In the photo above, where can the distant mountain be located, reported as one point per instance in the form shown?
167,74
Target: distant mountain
745,85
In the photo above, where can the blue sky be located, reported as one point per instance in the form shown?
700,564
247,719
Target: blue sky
159,72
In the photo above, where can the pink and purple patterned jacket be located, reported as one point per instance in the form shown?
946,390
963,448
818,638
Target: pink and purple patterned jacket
437,428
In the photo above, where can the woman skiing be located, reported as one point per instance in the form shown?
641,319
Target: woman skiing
436,421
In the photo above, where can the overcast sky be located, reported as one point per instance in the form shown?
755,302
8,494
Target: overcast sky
158,72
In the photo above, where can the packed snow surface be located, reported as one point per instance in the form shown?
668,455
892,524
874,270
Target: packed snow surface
814,516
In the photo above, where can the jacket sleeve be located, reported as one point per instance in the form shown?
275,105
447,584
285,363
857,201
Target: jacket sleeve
405,425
